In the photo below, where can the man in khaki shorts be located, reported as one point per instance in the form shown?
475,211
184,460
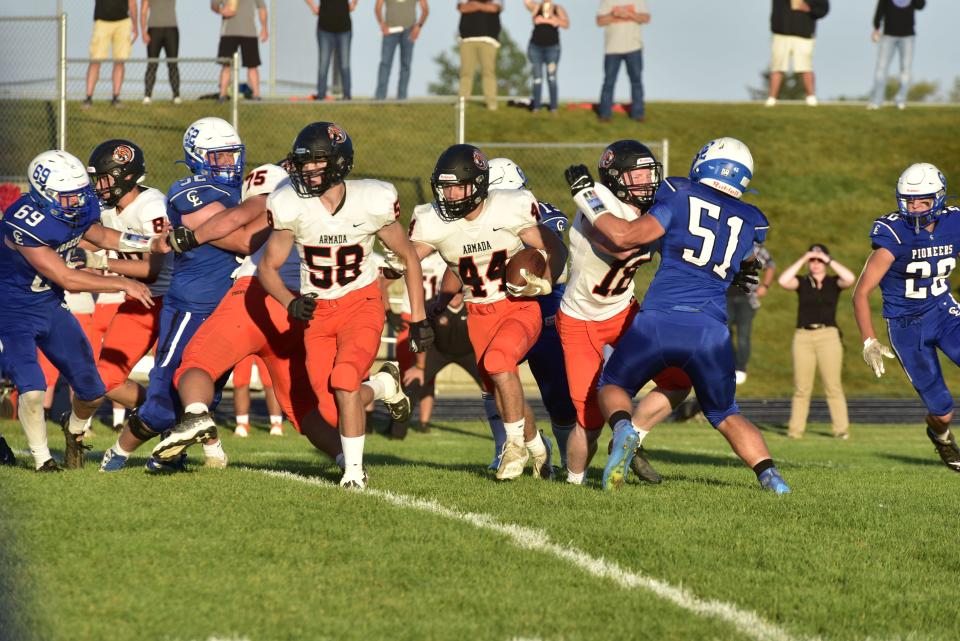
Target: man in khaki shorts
114,28
794,25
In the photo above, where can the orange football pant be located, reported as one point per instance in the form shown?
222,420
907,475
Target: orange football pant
131,334
244,370
502,333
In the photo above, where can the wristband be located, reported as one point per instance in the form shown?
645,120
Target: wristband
134,243
590,204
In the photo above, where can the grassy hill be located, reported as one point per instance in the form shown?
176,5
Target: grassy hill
822,174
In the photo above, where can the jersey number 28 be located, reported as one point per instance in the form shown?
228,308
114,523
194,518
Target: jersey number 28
922,270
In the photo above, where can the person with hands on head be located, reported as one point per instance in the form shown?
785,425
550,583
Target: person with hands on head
817,341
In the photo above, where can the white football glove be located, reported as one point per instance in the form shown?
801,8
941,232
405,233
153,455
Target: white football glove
535,286
392,261
873,353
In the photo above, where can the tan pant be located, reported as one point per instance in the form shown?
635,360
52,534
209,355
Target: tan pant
483,54
812,348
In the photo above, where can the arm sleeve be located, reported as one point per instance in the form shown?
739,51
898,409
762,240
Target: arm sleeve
21,235
819,8
882,234
878,14
384,205
186,199
662,212
280,213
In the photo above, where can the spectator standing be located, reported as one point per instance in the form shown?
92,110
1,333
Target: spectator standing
816,342
334,32
622,43
742,308
794,26
114,32
479,44
238,30
158,24
544,47
400,27
897,18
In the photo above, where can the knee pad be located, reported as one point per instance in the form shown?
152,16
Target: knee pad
345,376
140,429
30,406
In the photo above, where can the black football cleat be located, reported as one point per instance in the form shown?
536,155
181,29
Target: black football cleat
6,454
74,452
50,466
949,452
193,429
640,466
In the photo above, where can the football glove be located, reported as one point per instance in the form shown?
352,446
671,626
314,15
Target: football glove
79,258
395,321
535,286
393,267
579,178
301,307
421,336
182,240
748,277
873,354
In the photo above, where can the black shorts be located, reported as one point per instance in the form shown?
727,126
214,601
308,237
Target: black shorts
249,49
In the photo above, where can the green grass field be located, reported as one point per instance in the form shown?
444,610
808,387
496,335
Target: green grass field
270,549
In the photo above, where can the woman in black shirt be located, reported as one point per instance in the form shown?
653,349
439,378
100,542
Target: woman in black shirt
816,341
544,47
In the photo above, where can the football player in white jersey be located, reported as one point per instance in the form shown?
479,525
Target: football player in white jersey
476,233
598,306
334,222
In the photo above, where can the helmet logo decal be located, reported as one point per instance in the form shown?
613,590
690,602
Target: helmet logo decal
123,154
479,160
607,159
336,134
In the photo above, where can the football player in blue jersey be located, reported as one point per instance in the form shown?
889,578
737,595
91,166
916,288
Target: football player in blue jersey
215,156
546,356
914,252
40,233
705,233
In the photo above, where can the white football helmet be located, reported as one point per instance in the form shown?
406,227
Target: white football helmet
920,181
506,174
262,180
60,187
205,141
725,164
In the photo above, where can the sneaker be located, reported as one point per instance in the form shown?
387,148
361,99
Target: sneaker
6,454
770,102
146,100
949,452
193,428
242,430
354,481
740,377
842,437
640,466
177,100
87,103
397,403
112,462
622,450
116,104
50,466
221,100
872,107
157,466
811,101
513,457
543,465
771,480
276,429
74,451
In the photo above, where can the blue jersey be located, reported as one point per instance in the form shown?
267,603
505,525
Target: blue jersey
556,221
201,277
707,235
26,226
919,278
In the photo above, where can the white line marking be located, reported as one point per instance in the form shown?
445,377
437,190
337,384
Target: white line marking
749,623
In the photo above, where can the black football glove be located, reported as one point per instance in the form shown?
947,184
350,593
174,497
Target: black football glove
182,240
421,336
301,307
748,277
395,321
579,178
436,305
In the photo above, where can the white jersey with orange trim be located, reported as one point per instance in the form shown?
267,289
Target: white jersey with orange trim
335,247
478,250
146,215
599,285
263,180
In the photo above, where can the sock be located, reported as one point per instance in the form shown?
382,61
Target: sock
201,408
30,411
763,466
214,450
119,415
242,419
514,430
618,417
535,445
379,386
77,425
340,462
494,420
352,452
943,438
276,420
562,433
641,434
119,450
576,477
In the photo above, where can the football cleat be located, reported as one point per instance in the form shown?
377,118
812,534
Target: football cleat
158,466
50,466
242,430
640,466
215,462
949,452
513,457
770,479
112,462
74,451
193,428
543,465
397,403
621,453
354,480
6,454
276,429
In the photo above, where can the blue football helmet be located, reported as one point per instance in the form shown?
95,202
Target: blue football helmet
725,164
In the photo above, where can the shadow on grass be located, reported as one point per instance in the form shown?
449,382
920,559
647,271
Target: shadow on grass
913,460
670,456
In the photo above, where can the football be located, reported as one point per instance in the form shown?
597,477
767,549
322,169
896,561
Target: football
529,259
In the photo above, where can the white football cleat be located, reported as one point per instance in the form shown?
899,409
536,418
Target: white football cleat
242,431
543,464
512,459
354,480
215,462
276,429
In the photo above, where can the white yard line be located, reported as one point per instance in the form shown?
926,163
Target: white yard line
749,623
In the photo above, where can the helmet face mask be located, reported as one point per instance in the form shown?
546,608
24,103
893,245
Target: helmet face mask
116,167
213,149
459,166
60,188
322,157
630,170
921,194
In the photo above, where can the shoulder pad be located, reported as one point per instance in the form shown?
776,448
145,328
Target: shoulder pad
379,197
885,230
188,198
